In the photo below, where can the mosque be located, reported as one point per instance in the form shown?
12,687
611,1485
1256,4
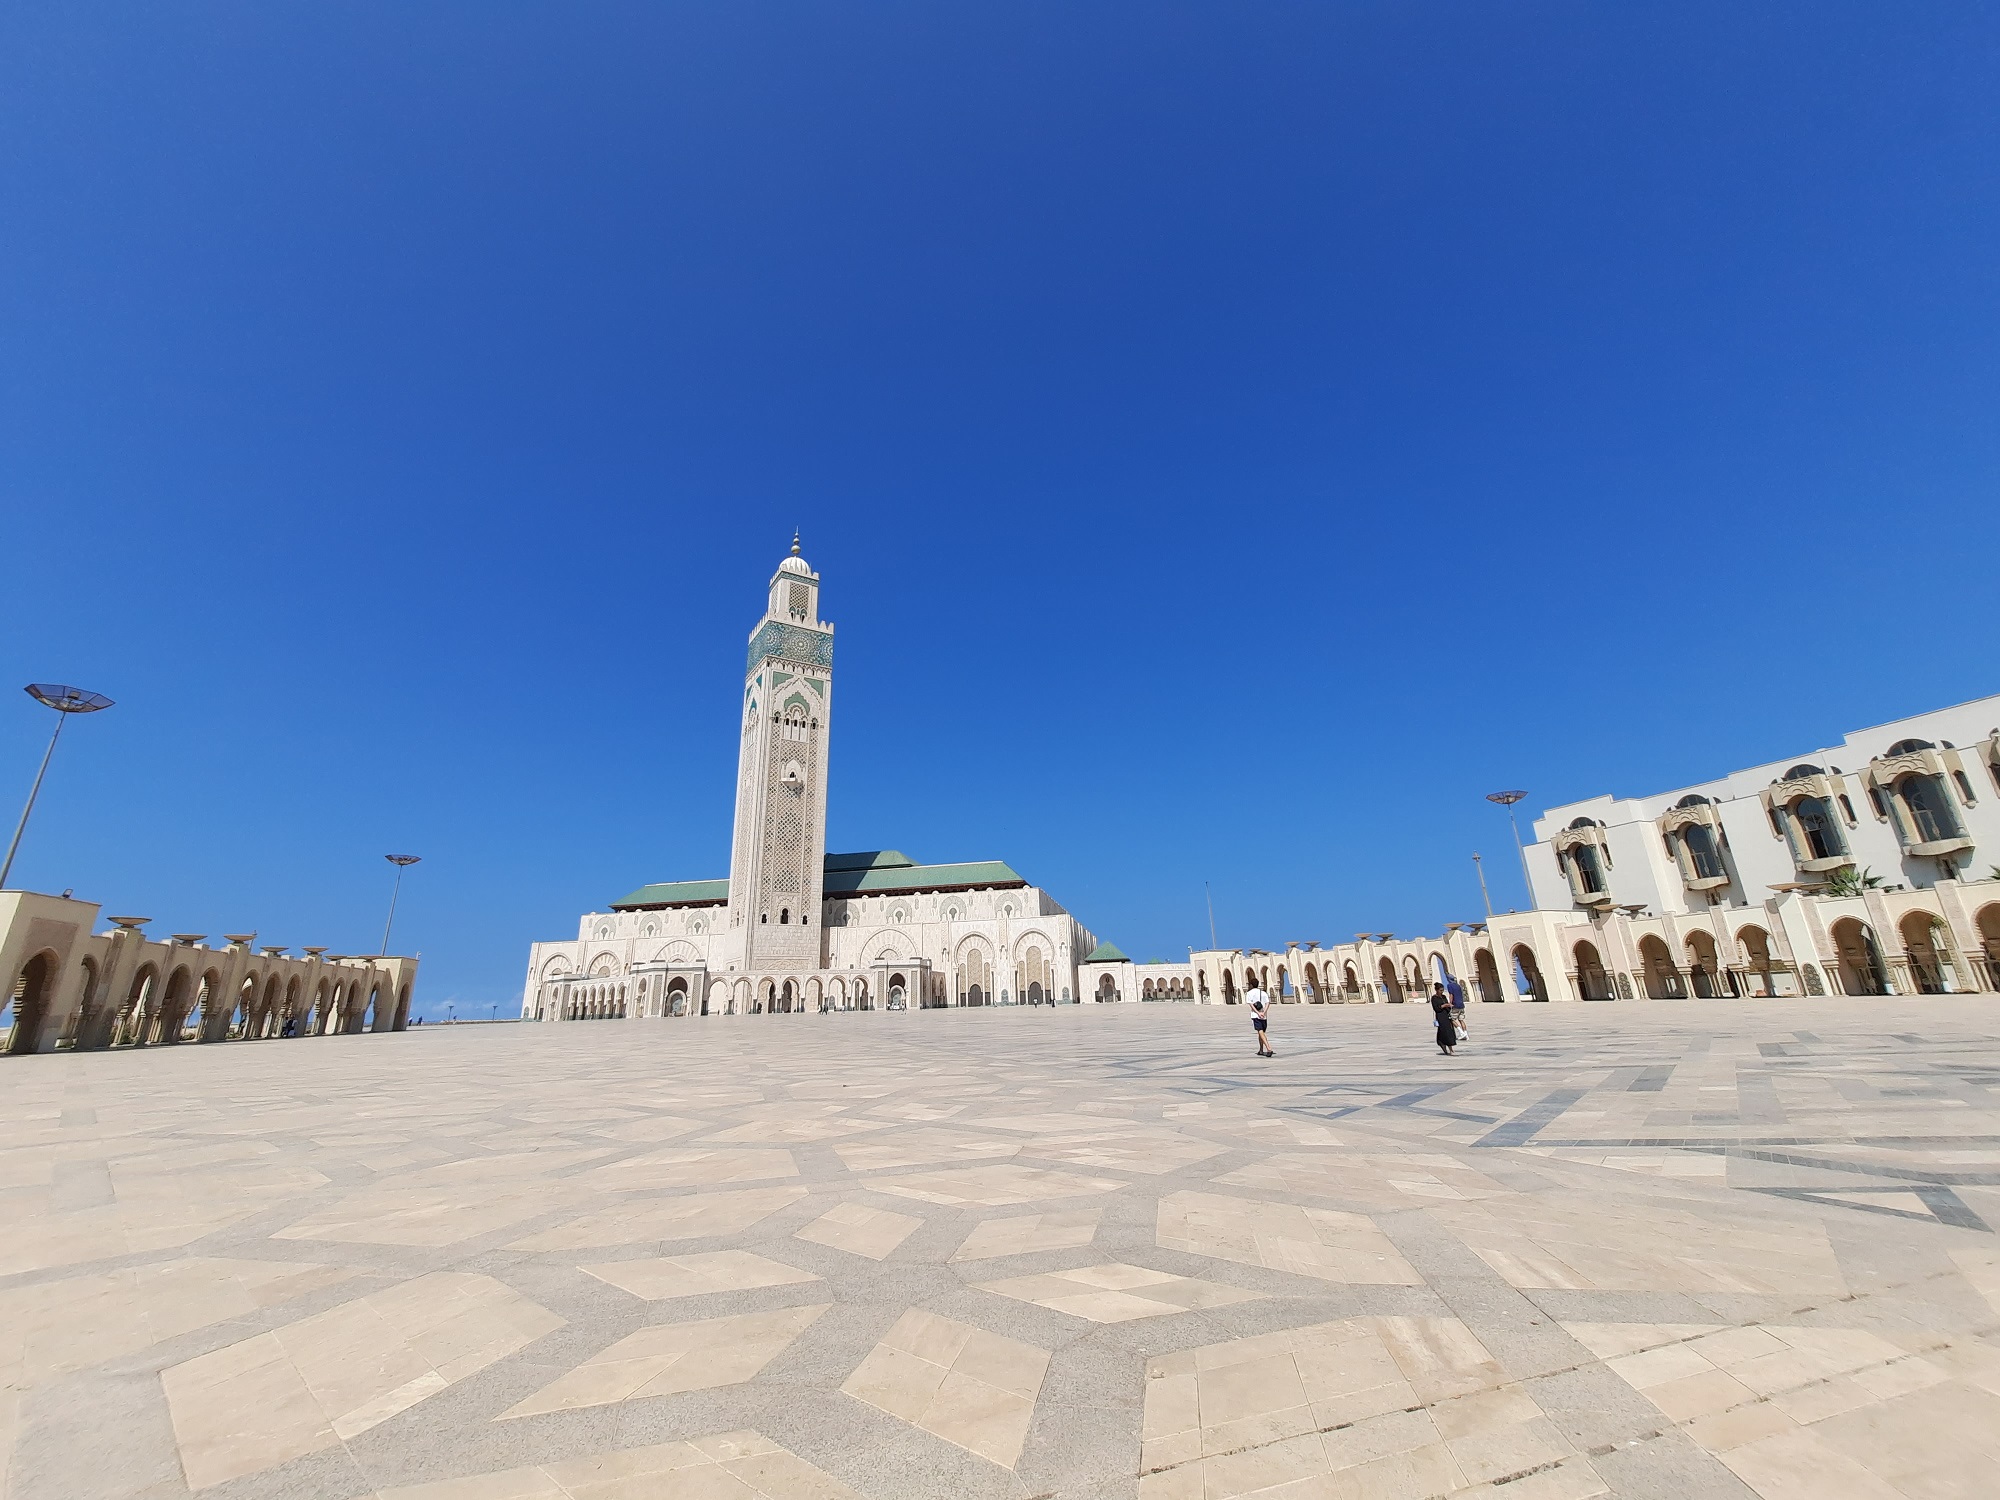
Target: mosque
794,928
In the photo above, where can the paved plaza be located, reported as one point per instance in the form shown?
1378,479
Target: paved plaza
1677,1249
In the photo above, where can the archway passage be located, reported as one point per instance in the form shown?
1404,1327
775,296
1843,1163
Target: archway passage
1528,973
30,1001
1392,990
1486,975
1860,961
1989,941
1663,980
1592,983
1927,950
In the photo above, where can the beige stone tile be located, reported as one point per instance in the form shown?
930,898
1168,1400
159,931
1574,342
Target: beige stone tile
1059,1229
690,1168
660,1278
672,1357
696,1217
964,1384
1657,1366
1314,1242
993,1186
1149,1152
1117,1293
1733,1428
1626,1245
742,1465
914,1148
1572,1479
1797,1466
1702,1395
860,1230
1366,1178
796,1132
61,1326
312,1383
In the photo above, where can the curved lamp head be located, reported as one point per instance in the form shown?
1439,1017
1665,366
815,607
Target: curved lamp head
66,700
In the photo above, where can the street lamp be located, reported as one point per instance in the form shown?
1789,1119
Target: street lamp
1507,800
65,701
402,862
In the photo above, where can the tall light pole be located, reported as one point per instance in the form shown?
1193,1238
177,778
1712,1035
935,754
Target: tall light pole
1484,898
65,701
402,862
1211,912
1507,800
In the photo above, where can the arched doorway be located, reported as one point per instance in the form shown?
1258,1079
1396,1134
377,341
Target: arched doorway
88,1021
173,1008
1592,983
1392,992
1486,974
1755,945
1927,950
1861,970
899,995
1705,969
1989,940
29,1000
1663,980
1528,973
1107,989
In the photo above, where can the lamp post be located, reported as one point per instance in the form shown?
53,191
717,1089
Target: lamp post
402,862
1480,869
65,701
1507,800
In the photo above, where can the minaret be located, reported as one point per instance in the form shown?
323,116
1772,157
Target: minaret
776,863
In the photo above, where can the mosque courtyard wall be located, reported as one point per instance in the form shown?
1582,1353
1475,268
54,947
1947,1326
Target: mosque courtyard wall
76,988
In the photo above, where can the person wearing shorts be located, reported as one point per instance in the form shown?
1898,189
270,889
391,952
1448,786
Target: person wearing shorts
1260,1019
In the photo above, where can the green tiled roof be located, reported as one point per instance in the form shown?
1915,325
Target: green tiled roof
869,859
674,893
1107,953
873,872
880,881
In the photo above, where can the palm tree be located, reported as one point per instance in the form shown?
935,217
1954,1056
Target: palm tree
1848,881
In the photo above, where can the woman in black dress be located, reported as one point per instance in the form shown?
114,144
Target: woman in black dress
1447,1028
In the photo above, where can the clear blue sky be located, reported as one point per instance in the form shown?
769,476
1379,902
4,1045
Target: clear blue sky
1234,437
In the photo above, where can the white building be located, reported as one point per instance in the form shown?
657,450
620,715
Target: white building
794,928
1867,868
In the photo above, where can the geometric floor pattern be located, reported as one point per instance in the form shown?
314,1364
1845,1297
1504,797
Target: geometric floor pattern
1673,1248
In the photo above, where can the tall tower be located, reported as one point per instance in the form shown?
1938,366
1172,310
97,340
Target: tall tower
776,863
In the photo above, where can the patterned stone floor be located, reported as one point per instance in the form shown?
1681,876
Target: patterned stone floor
1677,1249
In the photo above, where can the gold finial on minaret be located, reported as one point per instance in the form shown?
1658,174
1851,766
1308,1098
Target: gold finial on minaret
795,541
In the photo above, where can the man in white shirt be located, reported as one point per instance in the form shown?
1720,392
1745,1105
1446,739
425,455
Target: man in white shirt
1260,1019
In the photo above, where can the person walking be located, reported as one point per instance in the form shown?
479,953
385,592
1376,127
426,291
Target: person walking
1447,1028
1457,992
1260,1019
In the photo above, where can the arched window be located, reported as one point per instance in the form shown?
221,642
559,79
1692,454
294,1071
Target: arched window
1703,856
1819,834
784,916
1589,873
1910,747
1930,813
1800,773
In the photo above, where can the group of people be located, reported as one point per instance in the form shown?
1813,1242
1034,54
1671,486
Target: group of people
1447,1009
